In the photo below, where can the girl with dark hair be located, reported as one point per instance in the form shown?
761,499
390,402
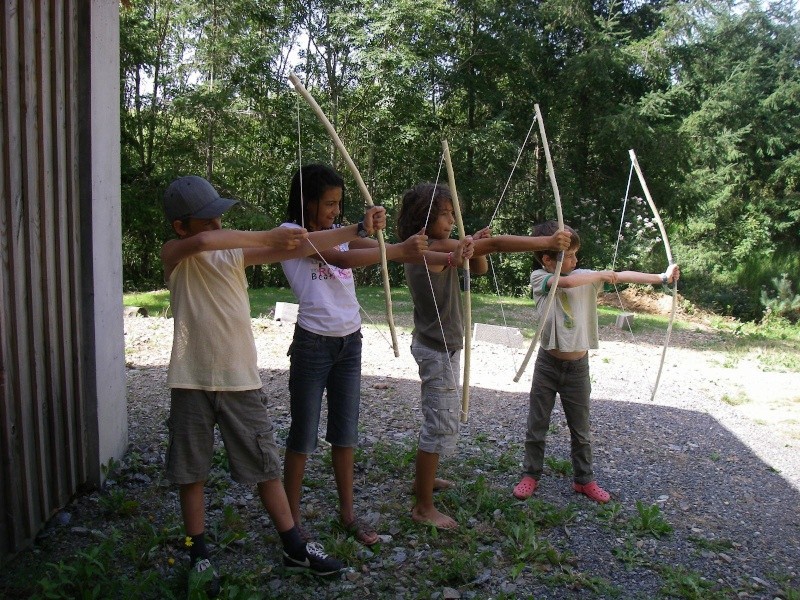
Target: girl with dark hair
325,354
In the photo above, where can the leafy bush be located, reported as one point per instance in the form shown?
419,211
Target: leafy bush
785,304
720,297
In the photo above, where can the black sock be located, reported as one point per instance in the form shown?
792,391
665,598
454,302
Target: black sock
292,542
197,549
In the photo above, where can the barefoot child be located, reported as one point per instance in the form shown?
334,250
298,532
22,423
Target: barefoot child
562,364
438,339
213,372
326,349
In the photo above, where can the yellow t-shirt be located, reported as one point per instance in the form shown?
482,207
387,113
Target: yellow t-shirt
212,344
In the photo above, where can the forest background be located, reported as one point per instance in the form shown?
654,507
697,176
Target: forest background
707,93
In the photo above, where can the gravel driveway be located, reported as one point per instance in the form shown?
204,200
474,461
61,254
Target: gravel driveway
724,478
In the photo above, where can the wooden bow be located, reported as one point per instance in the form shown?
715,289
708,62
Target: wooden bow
467,294
554,285
300,88
670,261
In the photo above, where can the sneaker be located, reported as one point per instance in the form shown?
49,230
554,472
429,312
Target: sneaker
205,577
314,560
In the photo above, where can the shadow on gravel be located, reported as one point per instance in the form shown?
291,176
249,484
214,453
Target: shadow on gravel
736,520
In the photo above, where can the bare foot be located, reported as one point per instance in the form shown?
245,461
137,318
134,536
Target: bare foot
438,485
433,517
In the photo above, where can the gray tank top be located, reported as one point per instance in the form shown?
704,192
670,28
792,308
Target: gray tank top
427,329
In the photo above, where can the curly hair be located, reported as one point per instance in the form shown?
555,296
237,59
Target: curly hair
316,178
416,204
548,228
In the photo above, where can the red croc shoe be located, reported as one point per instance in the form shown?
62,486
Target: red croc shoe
525,488
593,491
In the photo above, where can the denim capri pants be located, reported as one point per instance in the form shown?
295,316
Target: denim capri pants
322,363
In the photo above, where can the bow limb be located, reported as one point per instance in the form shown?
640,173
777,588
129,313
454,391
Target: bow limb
467,293
554,285
300,88
670,261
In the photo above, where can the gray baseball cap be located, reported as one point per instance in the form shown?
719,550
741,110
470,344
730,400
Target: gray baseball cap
193,196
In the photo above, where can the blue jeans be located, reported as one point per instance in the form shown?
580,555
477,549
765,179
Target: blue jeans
319,363
570,379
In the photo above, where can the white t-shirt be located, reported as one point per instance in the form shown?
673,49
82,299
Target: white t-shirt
571,325
326,294
212,345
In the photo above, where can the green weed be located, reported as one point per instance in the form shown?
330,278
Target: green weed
576,580
116,503
713,545
611,513
737,400
631,555
560,466
525,547
459,564
91,575
547,515
649,520
681,583
393,458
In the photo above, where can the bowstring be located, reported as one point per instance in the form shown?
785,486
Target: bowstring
331,269
614,265
456,380
500,259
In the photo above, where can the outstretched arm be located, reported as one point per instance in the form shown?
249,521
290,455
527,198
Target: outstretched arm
574,280
316,240
285,239
374,218
522,243
673,273
364,252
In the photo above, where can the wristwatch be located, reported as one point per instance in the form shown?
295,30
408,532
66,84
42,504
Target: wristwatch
362,231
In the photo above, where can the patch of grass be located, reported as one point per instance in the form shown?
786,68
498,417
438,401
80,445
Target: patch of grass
397,458
459,565
611,513
680,582
508,461
156,302
548,515
713,545
524,547
476,499
787,590
344,546
631,555
116,503
560,466
577,580
737,400
776,343
649,520
93,573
